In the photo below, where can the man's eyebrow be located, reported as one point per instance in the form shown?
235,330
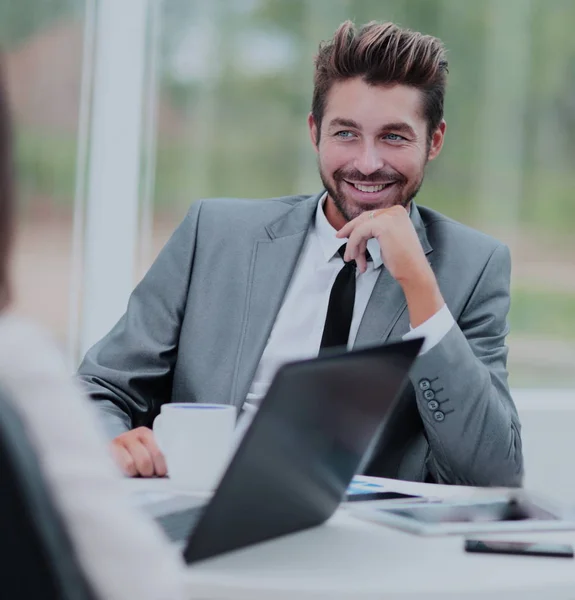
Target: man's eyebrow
399,127
341,122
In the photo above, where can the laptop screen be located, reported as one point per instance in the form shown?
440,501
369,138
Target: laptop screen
316,425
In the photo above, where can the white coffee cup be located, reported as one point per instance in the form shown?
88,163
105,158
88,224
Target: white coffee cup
196,440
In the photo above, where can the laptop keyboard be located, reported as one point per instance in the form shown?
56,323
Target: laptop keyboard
178,525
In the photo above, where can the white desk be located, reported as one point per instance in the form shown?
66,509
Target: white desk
351,559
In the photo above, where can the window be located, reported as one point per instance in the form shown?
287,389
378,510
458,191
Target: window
42,46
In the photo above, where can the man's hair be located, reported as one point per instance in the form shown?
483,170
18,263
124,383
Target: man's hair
382,54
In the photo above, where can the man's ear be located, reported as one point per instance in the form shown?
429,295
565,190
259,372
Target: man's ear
313,131
437,141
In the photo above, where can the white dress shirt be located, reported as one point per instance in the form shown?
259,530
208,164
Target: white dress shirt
298,328
123,552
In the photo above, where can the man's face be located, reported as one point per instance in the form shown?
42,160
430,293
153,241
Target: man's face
373,147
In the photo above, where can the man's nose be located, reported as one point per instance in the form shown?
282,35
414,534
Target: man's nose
369,160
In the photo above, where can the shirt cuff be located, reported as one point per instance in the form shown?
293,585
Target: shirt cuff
433,330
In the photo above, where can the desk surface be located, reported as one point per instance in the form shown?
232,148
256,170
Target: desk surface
352,559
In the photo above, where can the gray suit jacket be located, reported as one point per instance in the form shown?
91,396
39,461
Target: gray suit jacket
197,324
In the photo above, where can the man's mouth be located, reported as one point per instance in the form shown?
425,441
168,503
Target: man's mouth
370,188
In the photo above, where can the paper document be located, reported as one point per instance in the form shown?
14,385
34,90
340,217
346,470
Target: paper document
360,486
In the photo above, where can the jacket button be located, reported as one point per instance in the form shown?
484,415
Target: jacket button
438,416
433,405
424,384
429,394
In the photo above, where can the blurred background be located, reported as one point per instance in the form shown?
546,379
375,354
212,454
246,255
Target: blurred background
216,95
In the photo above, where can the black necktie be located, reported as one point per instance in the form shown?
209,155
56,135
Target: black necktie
340,307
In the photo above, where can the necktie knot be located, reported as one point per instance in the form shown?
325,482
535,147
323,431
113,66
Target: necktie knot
341,252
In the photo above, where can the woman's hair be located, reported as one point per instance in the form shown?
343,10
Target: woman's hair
383,54
6,196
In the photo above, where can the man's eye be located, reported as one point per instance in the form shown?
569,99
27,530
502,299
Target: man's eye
394,137
344,134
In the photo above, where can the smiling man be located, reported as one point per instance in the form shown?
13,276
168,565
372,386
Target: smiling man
243,286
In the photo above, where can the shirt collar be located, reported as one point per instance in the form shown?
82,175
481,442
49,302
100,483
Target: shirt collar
331,244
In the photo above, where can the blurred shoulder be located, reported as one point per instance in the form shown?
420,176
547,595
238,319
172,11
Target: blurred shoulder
26,349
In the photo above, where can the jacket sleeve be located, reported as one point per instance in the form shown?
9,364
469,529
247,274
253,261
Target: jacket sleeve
462,393
129,373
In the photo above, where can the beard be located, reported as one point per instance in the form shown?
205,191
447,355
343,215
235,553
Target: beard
350,209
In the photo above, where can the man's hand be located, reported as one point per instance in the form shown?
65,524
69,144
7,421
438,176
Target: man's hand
401,251
402,256
137,454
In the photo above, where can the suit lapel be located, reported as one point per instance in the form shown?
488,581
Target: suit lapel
274,259
386,305
387,301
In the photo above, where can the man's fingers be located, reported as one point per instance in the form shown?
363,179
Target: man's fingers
137,453
350,248
350,226
356,242
361,259
124,460
147,438
344,231
142,458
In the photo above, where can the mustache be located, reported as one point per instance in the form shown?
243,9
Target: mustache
381,176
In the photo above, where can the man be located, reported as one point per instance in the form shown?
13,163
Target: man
243,286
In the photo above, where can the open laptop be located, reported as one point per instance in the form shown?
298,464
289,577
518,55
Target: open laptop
317,426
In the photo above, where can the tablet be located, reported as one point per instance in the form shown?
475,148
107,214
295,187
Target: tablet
498,514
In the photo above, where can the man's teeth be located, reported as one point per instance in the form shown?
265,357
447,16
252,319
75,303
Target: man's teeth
370,188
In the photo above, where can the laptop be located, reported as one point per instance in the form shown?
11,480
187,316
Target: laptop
317,426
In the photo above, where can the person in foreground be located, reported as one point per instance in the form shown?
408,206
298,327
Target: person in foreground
123,553
243,286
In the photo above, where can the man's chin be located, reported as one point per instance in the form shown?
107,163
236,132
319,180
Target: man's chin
358,208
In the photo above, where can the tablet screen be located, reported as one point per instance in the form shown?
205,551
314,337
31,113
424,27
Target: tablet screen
477,512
